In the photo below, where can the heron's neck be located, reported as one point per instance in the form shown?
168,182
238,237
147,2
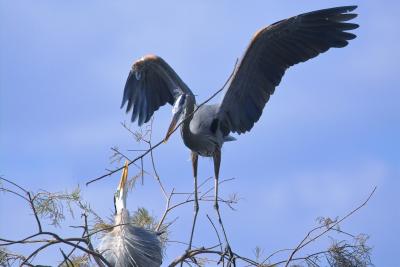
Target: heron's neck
120,201
185,127
122,217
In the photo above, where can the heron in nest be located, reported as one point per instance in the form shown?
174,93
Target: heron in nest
127,245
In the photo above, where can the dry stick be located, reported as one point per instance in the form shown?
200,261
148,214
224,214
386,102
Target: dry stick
203,183
13,192
220,182
11,258
153,162
192,253
162,141
34,212
116,150
67,241
89,242
303,243
167,209
120,168
305,257
156,173
127,158
70,253
216,232
57,239
66,259
11,182
179,242
276,252
12,242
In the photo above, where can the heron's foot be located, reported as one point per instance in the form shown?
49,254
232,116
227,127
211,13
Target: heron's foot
231,256
189,248
228,256
188,251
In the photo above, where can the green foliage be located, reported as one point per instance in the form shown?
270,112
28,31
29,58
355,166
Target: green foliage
3,259
142,218
77,261
8,258
342,254
51,205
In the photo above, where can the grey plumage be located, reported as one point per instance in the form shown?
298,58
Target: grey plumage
127,245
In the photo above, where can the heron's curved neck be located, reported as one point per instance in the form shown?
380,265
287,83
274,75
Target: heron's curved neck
122,217
185,127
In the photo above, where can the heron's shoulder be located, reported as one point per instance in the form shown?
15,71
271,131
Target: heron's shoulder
205,114
207,110
203,119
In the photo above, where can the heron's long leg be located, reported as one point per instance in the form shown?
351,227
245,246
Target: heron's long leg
217,163
195,157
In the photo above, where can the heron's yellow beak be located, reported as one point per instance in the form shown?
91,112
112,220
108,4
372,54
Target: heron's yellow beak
124,177
171,127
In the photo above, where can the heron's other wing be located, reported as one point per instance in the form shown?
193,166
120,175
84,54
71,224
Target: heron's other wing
273,50
151,83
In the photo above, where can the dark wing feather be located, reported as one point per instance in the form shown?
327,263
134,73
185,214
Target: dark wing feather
273,50
151,84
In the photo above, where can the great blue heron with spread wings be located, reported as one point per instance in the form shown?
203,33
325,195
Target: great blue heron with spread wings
127,245
153,83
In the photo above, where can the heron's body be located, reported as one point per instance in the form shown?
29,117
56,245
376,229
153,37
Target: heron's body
153,83
127,245
201,132
130,246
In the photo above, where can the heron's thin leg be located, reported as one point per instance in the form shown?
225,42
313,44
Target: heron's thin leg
195,157
217,163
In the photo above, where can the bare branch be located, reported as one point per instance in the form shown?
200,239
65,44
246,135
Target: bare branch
304,242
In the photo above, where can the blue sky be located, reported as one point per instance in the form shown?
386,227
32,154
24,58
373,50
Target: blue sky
328,135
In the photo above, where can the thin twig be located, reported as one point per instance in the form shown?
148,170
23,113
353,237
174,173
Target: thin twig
304,243
34,212
216,231
11,182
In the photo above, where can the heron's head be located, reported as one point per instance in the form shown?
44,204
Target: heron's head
178,112
122,191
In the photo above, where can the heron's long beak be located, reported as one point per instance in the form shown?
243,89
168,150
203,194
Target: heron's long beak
122,191
172,126
124,177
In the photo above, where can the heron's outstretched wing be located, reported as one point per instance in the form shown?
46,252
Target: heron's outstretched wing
273,50
151,83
